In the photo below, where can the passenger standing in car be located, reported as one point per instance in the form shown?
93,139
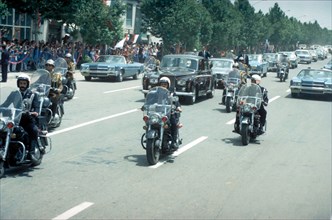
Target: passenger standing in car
204,53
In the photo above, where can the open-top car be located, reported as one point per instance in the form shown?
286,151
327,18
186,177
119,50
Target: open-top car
220,69
111,67
312,81
190,76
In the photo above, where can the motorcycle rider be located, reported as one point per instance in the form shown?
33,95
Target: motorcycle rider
283,60
175,116
56,84
29,103
29,117
244,70
234,73
70,62
256,79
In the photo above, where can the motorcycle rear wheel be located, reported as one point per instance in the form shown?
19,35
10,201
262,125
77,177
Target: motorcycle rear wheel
152,152
245,134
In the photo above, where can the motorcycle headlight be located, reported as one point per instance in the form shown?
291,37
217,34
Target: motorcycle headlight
154,119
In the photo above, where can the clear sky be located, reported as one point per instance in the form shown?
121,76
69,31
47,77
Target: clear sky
303,10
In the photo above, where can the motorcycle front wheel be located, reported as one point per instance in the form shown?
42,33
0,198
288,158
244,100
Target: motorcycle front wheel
245,134
228,104
152,152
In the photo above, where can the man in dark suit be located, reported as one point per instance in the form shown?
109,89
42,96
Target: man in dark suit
204,53
4,63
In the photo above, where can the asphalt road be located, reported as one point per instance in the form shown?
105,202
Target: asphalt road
97,168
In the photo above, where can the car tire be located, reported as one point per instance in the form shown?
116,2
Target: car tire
119,78
87,78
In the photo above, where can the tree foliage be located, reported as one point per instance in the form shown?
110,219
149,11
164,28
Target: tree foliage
96,22
220,24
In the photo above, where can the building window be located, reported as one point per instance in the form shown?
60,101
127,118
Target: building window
129,16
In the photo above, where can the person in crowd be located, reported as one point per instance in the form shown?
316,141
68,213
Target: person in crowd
4,63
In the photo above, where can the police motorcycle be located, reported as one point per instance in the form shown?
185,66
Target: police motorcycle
14,140
157,111
249,101
68,81
41,85
232,86
283,72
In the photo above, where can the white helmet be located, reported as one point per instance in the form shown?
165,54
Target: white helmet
165,80
23,77
68,55
50,62
257,78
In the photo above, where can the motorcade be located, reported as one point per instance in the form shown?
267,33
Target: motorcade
312,81
191,77
304,56
111,67
220,69
257,65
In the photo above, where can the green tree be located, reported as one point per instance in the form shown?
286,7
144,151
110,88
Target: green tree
226,25
189,26
96,22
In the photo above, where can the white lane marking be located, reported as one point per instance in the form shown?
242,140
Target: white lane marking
91,122
73,211
118,90
274,98
180,151
231,122
271,100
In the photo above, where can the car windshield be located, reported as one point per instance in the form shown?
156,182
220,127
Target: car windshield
270,56
11,106
302,52
317,74
111,59
179,62
255,57
222,64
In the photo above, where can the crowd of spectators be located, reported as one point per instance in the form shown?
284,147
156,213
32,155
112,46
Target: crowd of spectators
31,55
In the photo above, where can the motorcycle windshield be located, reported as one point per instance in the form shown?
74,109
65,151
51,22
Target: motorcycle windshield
11,106
158,100
41,82
250,94
234,77
61,66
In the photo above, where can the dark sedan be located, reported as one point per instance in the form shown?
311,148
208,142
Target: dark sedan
312,81
190,76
